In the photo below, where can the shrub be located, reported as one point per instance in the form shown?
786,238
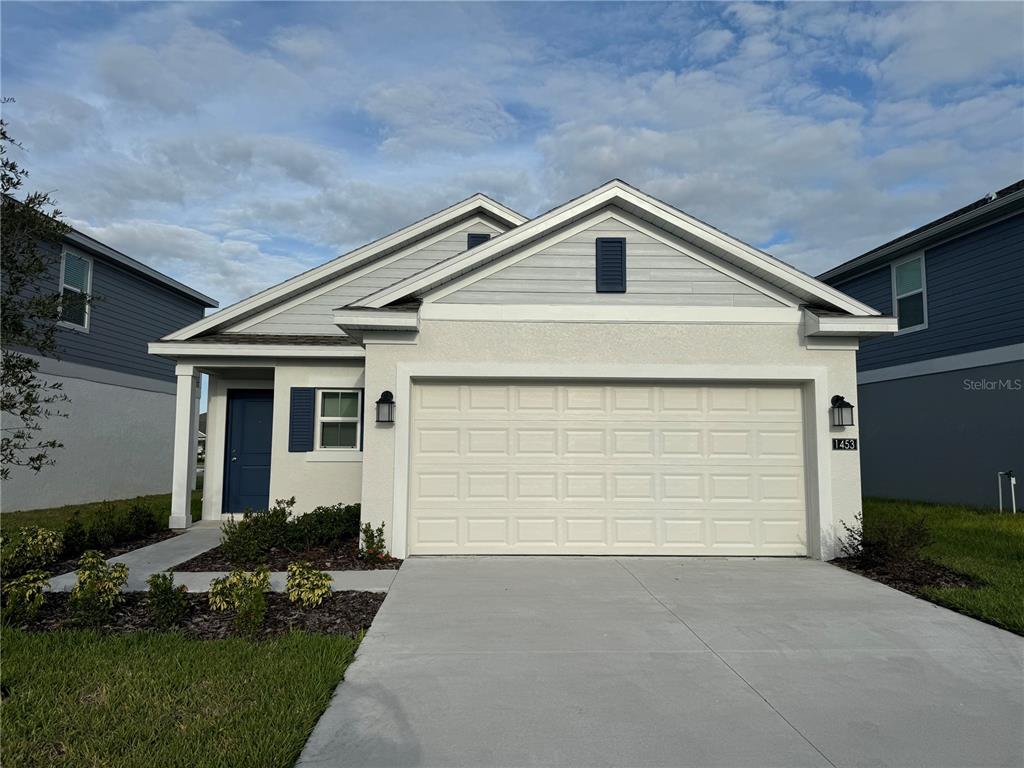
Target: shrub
31,548
166,602
141,522
75,537
324,526
242,591
250,539
886,543
25,595
307,585
374,548
98,589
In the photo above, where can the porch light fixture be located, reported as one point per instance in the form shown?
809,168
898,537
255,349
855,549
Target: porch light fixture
842,412
386,408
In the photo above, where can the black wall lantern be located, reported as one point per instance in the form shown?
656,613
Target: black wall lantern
842,412
386,408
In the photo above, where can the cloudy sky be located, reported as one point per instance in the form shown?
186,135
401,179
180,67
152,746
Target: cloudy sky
233,145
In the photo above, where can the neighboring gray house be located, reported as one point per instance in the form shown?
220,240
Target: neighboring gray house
119,433
942,401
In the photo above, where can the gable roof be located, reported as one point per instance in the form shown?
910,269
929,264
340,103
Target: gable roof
478,204
1001,203
622,195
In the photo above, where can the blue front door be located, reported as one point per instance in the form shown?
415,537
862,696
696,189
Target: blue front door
250,428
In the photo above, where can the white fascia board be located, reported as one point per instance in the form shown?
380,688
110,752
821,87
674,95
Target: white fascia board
352,259
192,349
619,193
368,320
848,325
544,313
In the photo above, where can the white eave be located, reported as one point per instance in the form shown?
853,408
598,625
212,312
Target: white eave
184,349
847,325
376,320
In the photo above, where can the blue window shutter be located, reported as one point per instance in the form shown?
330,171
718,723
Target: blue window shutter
473,239
610,259
300,419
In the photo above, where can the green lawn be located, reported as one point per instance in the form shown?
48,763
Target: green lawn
55,517
980,543
78,698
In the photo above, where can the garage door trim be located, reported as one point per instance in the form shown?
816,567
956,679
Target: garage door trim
815,432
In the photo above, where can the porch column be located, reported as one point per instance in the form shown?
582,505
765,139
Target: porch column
186,423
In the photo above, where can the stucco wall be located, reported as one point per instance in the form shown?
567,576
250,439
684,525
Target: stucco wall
639,350
117,444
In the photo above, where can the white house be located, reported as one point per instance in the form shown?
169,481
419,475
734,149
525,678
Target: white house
611,377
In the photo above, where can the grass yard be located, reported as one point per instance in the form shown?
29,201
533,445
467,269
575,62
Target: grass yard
980,543
55,517
78,698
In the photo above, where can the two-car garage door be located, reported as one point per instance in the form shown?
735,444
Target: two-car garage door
606,468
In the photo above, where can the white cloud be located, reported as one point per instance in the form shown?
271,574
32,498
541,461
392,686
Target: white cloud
712,42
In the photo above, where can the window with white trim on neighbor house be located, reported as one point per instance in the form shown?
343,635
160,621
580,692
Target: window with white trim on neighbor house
908,290
75,279
338,421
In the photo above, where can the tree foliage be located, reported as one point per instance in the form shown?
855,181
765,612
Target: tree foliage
29,228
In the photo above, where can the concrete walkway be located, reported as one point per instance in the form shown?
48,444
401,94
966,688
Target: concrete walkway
669,662
201,537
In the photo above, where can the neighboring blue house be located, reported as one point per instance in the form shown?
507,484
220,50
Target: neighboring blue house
941,403
119,433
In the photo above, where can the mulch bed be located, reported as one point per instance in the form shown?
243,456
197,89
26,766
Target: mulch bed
67,566
344,557
911,576
343,613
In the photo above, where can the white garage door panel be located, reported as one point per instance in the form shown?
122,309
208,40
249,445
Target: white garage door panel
606,469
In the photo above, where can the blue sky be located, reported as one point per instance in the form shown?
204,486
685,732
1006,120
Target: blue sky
233,145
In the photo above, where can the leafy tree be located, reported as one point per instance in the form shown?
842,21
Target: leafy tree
29,228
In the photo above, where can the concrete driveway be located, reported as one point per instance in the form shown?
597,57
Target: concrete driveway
669,662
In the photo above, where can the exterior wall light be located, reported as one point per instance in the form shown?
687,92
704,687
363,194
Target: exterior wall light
842,412
386,408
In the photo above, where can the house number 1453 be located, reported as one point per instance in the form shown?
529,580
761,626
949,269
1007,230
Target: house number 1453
844,443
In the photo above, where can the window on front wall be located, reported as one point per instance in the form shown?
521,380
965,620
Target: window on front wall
909,293
75,280
338,418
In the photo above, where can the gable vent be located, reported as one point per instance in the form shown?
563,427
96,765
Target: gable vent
610,260
473,239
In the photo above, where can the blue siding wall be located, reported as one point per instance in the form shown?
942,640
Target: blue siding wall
975,297
127,313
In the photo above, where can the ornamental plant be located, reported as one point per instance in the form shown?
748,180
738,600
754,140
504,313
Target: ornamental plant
25,595
31,548
374,547
165,601
243,592
306,585
98,589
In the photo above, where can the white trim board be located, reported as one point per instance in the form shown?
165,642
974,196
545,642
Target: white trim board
818,485
554,313
195,349
401,238
619,194
1010,354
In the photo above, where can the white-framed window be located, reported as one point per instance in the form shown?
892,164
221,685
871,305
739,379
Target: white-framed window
909,293
75,287
338,422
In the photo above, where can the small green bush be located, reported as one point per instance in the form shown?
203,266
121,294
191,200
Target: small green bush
98,589
31,548
242,591
374,547
25,595
141,522
323,527
76,540
165,601
249,540
307,585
